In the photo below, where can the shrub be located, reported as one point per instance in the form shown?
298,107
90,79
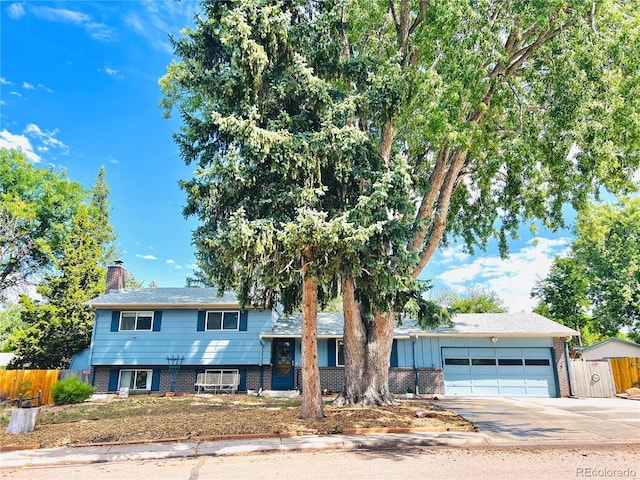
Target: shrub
71,390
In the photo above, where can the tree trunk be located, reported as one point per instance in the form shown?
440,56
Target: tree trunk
311,392
355,341
378,351
367,354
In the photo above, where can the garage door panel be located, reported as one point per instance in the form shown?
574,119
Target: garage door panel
486,390
499,371
513,391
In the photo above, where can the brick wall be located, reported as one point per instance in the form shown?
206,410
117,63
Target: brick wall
185,379
562,366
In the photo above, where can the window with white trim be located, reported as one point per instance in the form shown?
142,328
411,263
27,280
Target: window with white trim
223,320
339,353
135,379
138,321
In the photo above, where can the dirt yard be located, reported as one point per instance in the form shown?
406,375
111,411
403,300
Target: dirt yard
140,418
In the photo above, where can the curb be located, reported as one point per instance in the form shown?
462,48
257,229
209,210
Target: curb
246,436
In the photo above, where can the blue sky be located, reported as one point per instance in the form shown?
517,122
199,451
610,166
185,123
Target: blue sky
79,89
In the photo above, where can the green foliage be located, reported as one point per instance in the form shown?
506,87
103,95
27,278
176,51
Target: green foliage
349,138
71,390
100,213
36,207
61,325
596,288
475,299
10,322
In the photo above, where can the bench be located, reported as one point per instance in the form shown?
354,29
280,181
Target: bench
218,381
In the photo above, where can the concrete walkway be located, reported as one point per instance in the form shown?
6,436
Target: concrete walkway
501,422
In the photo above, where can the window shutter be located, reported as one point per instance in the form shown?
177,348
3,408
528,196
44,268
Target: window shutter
243,380
157,320
244,317
331,352
394,354
201,316
155,380
115,320
113,380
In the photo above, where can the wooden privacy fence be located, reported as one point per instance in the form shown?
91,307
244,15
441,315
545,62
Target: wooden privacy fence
591,379
28,382
626,373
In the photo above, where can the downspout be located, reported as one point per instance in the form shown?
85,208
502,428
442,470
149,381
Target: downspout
566,353
261,385
415,368
93,338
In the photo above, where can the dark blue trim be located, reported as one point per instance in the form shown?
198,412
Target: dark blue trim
243,380
201,316
393,362
155,380
157,320
331,352
115,320
244,317
113,379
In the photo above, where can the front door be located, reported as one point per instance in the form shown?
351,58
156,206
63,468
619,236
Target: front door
283,371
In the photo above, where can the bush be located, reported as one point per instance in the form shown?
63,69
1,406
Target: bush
71,390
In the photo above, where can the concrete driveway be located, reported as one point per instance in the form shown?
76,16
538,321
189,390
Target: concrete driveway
554,420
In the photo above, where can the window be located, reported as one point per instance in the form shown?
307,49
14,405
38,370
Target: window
536,362
456,361
136,321
135,379
483,362
222,321
509,362
339,353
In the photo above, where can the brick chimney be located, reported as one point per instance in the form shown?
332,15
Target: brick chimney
116,276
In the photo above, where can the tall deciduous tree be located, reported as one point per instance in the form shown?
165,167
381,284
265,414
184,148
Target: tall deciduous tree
352,137
504,111
36,207
597,286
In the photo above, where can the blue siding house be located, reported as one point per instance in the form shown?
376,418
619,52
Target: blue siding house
160,339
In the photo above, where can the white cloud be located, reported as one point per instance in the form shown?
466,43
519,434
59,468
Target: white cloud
40,85
17,94
171,262
18,142
161,18
112,72
28,86
4,81
146,257
47,138
96,30
453,254
512,278
16,10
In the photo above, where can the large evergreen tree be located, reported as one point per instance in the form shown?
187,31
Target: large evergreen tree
347,139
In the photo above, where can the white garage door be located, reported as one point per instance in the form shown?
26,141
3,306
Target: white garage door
525,372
